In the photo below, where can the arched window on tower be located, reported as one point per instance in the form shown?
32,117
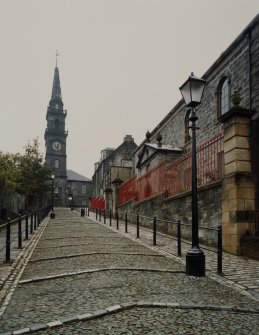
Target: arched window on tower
56,123
56,163
187,131
223,96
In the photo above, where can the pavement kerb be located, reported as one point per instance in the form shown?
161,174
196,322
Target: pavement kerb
19,264
81,272
92,254
127,306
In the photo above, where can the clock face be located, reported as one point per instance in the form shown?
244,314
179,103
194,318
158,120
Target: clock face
56,146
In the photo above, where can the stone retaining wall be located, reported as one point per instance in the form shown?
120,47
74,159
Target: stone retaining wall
179,208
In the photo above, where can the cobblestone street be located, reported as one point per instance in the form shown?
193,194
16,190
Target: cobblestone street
83,277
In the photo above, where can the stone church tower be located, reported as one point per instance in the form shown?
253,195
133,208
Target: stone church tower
55,142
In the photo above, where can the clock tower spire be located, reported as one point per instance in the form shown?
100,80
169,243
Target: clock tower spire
55,141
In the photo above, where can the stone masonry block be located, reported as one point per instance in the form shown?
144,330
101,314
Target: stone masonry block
229,229
237,129
229,205
247,193
234,241
229,193
237,155
225,217
245,205
235,120
241,142
237,166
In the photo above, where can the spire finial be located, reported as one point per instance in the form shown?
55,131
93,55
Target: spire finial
57,54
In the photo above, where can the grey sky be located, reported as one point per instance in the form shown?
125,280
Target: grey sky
121,63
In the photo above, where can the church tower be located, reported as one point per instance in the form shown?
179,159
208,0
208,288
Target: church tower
55,142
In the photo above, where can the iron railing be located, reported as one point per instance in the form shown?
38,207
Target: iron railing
19,230
136,220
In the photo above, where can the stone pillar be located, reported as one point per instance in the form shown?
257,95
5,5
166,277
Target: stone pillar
116,183
108,198
238,187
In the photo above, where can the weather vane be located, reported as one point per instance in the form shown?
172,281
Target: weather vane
57,54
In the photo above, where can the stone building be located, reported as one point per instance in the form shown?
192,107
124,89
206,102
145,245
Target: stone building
69,186
79,189
114,167
227,144
55,142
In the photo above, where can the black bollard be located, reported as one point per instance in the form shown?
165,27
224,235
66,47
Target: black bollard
154,231
137,225
20,232
117,220
8,241
219,252
27,226
126,222
31,228
179,237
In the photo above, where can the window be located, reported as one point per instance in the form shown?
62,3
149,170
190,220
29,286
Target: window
56,163
83,189
223,96
56,124
187,123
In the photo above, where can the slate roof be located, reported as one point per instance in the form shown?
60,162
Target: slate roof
74,176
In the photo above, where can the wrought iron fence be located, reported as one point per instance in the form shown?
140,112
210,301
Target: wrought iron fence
19,230
175,178
209,167
152,224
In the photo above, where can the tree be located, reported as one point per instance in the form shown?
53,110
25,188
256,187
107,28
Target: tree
33,178
8,176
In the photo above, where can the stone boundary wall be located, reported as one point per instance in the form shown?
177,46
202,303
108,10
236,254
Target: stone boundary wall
180,208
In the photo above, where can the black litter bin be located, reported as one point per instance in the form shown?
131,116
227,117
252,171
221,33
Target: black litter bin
82,212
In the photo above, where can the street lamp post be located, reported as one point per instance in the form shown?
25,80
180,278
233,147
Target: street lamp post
192,91
52,214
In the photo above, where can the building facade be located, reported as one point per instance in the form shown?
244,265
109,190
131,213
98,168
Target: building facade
227,142
55,142
79,189
114,167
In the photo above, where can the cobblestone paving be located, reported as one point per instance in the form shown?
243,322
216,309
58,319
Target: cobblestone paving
120,271
163,321
239,272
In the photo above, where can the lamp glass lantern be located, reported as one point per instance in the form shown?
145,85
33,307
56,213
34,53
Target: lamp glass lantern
192,91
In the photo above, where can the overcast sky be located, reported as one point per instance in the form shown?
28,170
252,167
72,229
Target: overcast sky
121,63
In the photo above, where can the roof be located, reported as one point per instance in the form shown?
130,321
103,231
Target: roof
164,147
56,89
74,176
223,55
